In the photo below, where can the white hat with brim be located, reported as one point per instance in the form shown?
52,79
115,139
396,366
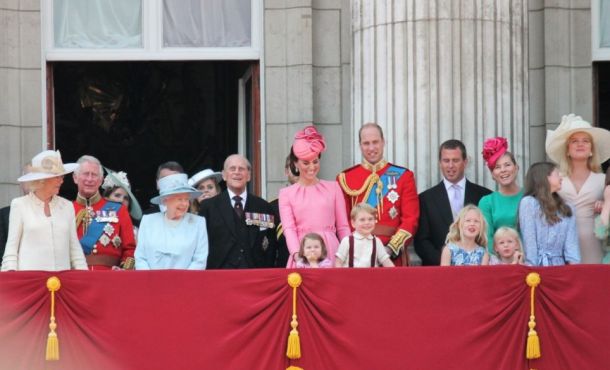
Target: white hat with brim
556,140
204,175
46,165
116,180
174,184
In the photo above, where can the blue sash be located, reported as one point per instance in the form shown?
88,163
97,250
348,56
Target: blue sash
392,172
95,229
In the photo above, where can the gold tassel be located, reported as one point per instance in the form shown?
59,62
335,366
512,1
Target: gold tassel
532,350
293,351
294,368
53,284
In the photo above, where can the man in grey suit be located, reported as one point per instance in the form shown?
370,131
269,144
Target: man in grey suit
440,204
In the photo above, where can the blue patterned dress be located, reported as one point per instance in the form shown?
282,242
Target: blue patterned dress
462,257
544,244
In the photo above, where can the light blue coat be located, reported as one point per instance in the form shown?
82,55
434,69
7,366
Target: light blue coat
165,244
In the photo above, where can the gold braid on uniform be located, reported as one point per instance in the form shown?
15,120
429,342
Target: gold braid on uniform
367,186
83,217
398,240
279,231
129,263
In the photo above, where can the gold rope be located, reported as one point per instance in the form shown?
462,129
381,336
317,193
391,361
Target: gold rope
293,350
53,284
532,350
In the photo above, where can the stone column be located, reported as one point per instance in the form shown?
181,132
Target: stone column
431,70
20,89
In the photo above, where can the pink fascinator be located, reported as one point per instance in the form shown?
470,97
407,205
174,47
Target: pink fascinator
493,149
308,144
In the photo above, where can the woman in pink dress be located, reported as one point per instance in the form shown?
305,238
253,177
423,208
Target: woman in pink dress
311,204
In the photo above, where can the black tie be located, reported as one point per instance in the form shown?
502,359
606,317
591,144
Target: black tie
238,207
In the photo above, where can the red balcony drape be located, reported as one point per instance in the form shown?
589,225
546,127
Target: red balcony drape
403,318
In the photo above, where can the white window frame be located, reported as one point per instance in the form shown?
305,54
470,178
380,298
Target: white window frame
597,53
152,40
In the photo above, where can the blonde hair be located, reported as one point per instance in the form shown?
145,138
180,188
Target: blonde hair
565,164
362,207
316,237
455,232
505,231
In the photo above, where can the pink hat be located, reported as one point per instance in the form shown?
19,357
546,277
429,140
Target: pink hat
308,144
493,149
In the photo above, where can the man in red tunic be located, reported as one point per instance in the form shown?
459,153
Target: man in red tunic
104,228
388,188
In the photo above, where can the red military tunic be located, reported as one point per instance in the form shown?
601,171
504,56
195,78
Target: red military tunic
116,245
398,210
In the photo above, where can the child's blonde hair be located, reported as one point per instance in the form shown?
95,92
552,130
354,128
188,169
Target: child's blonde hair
510,232
362,207
455,232
312,236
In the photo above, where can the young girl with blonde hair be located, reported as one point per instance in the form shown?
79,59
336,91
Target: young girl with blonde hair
467,239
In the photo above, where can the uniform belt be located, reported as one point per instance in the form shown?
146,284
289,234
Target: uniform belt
93,260
384,230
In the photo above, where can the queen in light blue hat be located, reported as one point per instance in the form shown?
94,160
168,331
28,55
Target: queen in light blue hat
174,238
174,184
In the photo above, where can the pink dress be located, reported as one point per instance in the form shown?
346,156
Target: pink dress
318,208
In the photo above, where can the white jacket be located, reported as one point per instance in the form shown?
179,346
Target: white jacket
38,242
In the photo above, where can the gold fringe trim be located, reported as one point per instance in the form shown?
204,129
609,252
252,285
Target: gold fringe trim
52,354
532,350
293,350
398,240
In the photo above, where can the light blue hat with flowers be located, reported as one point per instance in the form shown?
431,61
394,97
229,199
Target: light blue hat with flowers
174,184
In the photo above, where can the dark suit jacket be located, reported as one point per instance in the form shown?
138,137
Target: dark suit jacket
222,233
281,258
4,213
435,217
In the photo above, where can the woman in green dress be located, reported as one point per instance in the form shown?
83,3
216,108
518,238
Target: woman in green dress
500,207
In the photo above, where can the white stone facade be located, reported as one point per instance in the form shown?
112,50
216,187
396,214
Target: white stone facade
426,70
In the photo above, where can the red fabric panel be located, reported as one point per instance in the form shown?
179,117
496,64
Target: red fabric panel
420,318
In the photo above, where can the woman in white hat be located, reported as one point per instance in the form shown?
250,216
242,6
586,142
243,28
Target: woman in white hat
42,230
207,182
174,239
579,148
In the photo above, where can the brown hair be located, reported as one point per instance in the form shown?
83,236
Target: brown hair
362,207
537,185
312,236
452,144
291,162
367,125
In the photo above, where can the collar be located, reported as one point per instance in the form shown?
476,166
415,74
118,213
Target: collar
461,183
374,167
359,236
243,196
39,202
88,202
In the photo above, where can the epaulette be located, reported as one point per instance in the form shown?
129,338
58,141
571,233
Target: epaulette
351,168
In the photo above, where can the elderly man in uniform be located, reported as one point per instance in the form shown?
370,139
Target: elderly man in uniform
104,228
388,188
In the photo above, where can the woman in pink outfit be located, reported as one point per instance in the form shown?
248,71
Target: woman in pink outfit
311,205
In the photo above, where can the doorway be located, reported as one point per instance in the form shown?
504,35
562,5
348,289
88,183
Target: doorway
134,116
